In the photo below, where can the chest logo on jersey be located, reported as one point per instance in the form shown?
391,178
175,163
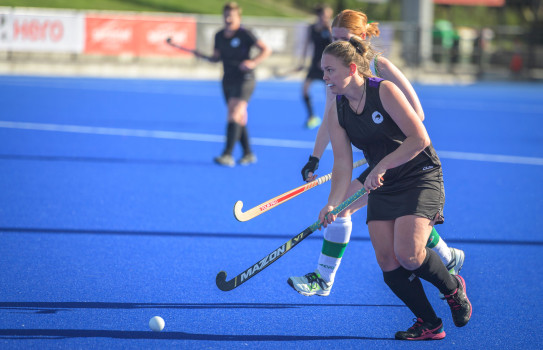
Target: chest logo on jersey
377,117
235,42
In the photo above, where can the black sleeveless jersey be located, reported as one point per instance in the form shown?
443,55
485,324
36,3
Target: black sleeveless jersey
377,135
235,50
320,39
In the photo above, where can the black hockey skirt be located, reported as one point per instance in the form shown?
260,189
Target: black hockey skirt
422,195
239,88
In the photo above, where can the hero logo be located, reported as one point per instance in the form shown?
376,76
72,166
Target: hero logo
34,30
263,263
267,205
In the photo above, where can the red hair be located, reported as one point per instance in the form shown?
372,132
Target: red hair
357,23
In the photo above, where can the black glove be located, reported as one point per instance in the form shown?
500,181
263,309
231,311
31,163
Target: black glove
311,166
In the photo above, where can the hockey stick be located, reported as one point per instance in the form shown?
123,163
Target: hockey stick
243,277
179,47
186,49
264,207
282,75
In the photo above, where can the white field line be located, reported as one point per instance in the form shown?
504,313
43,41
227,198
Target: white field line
185,136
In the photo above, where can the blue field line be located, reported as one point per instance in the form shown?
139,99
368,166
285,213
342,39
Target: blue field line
234,235
270,142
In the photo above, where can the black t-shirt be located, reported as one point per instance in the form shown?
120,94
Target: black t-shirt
375,133
235,50
320,37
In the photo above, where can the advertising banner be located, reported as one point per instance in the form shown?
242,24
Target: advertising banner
138,36
496,3
45,31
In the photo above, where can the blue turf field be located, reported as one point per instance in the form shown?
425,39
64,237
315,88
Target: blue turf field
111,212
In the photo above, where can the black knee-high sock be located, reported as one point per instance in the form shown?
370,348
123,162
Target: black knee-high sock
433,271
307,101
233,131
244,140
409,289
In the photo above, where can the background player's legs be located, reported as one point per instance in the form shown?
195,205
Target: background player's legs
239,116
312,120
307,98
237,119
237,111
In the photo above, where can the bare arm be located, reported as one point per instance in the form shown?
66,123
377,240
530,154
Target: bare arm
216,57
343,165
387,70
417,139
265,51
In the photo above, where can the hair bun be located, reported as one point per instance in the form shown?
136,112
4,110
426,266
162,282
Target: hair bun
357,43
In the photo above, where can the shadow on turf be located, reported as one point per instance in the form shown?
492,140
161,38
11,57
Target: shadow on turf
54,307
45,158
87,333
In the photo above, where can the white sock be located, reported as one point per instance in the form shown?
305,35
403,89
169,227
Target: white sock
336,237
442,249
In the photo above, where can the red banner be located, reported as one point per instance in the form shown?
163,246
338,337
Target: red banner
496,3
138,36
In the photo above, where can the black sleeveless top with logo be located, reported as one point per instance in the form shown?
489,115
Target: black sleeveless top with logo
320,37
235,50
377,135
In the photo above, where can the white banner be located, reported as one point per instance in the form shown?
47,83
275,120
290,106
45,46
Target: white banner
38,30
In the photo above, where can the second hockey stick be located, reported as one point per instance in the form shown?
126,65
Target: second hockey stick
264,207
243,277
186,49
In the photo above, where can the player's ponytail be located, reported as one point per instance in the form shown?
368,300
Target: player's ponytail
355,50
372,30
361,46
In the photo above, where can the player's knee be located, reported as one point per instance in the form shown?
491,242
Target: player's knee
409,259
386,261
238,115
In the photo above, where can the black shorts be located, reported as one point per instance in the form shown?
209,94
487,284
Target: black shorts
364,175
314,73
425,197
242,89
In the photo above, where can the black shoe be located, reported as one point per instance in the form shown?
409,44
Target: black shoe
423,331
459,303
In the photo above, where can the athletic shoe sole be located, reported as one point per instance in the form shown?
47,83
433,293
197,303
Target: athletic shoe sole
461,279
430,336
460,257
324,294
